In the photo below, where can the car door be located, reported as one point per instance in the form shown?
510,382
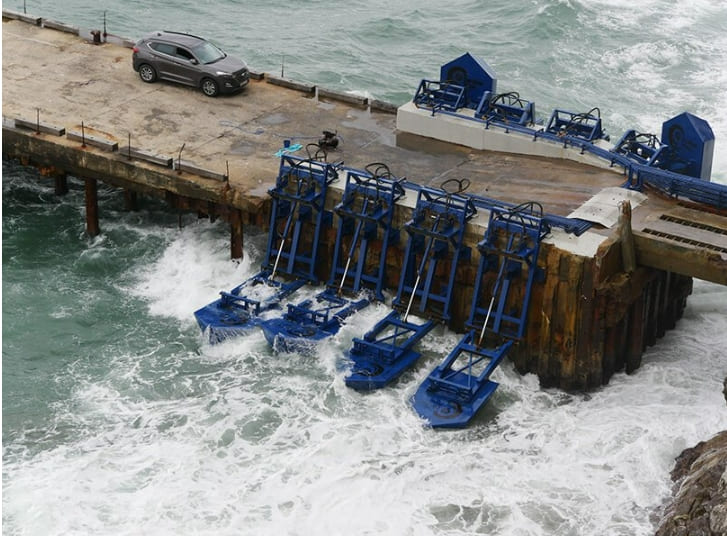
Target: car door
186,66
175,63
164,60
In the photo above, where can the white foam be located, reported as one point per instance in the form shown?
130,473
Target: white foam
192,270
239,439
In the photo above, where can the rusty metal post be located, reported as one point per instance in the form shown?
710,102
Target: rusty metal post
236,234
130,200
61,183
628,250
92,227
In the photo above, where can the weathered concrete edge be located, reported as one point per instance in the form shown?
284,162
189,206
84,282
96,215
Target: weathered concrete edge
382,106
16,15
148,156
188,167
349,98
290,84
310,90
39,126
118,170
106,145
60,26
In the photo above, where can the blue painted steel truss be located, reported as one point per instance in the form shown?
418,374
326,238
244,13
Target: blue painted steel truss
440,95
297,218
641,148
454,392
436,232
505,108
586,126
365,214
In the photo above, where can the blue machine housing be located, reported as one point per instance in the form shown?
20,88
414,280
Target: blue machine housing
463,83
297,217
471,73
365,214
691,145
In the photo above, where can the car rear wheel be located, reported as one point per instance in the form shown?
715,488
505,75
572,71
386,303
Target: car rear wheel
210,87
147,73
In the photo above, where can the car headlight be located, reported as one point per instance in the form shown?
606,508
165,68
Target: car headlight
223,73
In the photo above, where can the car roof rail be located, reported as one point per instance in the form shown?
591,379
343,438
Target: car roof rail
161,32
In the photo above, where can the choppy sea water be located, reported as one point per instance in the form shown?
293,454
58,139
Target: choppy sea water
119,419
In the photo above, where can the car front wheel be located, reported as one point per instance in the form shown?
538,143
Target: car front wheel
210,87
147,73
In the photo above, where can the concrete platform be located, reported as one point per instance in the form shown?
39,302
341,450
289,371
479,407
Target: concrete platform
71,80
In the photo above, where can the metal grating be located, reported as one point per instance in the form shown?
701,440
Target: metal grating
689,223
683,240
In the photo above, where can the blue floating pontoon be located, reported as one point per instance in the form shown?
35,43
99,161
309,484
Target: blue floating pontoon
296,220
365,214
436,233
454,391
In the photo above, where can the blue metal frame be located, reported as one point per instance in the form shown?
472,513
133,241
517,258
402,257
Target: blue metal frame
366,213
585,126
367,206
523,228
505,108
440,95
454,392
436,232
298,209
641,148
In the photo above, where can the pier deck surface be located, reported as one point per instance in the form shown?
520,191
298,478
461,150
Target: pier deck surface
70,81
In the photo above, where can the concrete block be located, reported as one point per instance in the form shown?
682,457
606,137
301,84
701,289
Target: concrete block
356,100
381,106
290,84
256,75
60,26
191,168
39,127
16,15
119,40
95,141
148,156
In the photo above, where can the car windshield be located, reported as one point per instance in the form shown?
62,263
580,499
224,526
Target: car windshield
208,53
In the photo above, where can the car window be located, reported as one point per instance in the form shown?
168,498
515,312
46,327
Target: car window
208,53
164,48
184,53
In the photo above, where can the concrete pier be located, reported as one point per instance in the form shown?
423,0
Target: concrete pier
601,302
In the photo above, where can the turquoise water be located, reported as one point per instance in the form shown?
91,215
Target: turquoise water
119,419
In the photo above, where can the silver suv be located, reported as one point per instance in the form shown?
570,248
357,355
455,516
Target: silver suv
189,60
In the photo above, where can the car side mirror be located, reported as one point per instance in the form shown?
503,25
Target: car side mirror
193,61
